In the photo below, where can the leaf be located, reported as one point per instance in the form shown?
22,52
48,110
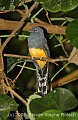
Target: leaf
72,116
11,102
59,5
51,115
57,115
4,109
7,104
72,32
12,62
8,4
73,58
60,99
32,97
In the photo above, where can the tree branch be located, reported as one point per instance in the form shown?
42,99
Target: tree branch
36,58
19,25
19,72
15,94
1,70
67,79
10,25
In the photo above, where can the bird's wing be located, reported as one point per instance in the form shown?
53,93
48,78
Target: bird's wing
46,48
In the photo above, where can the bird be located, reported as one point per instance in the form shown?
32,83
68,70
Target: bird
38,47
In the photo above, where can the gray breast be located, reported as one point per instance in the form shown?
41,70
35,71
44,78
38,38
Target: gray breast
36,40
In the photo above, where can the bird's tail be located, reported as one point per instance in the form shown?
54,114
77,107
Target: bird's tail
42,76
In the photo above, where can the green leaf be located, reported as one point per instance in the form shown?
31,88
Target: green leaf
4,109
12,62
72,116
8,4
51,115
32,97
7,104
60,99
57,115
11,102
59,5
72,32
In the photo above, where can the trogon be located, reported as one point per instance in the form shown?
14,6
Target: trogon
38,47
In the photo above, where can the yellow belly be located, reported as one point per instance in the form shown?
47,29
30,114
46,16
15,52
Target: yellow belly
36,52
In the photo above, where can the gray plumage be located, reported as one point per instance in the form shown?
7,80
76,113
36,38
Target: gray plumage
36,39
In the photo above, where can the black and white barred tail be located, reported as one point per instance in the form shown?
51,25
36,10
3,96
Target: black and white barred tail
42,76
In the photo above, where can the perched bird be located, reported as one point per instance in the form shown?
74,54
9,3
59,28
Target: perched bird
38,47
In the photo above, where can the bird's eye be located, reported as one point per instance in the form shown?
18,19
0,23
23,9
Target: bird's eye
36,30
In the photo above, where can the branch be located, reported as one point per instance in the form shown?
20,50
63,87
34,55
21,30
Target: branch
18,115
36,58
6,79
19,25
67,79
1,70
15,94
10,25
19,72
